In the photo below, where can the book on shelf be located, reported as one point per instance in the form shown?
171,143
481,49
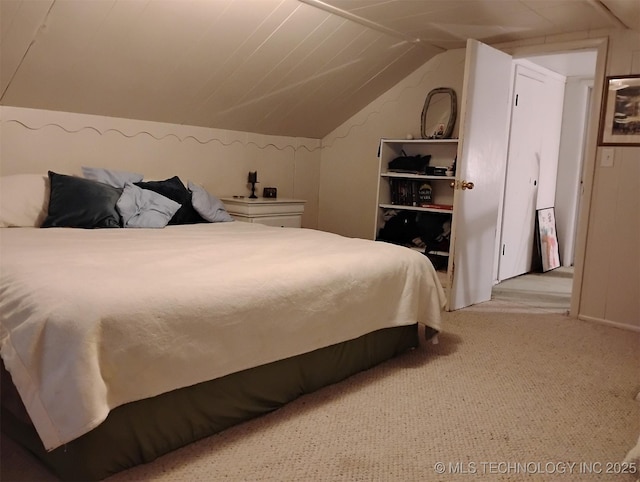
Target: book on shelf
409,192
448,207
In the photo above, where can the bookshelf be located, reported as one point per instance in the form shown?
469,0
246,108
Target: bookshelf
416,208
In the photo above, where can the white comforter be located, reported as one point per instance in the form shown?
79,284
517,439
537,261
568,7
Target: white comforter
92,319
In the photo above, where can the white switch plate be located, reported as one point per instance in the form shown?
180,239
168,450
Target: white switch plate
606,158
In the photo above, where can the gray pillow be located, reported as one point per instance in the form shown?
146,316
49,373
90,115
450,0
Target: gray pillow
143,208
207,205
110,177
75,202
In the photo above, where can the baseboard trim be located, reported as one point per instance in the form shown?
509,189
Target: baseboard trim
615,324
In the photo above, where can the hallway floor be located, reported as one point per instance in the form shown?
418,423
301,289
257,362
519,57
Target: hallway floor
548,291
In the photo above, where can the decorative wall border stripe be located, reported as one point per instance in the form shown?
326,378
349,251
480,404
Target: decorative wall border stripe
180,139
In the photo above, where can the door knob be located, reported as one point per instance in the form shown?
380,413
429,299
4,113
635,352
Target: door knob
462,185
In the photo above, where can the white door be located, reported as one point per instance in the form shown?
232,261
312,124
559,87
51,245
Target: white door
481,160
523,171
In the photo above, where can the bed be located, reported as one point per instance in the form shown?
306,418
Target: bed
119,345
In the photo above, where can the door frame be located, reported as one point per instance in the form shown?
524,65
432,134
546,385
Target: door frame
600,45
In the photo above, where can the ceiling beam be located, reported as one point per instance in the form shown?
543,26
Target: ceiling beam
604,10
368,23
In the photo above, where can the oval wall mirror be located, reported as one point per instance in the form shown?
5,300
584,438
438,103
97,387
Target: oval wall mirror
439,114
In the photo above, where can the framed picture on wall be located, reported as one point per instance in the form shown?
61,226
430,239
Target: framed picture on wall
548,237
620,116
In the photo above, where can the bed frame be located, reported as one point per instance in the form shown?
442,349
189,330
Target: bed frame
141,431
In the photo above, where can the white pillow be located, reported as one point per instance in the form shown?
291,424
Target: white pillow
110,177
143,208
24,200
207,205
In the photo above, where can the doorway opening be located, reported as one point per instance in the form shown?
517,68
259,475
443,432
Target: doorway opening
553,289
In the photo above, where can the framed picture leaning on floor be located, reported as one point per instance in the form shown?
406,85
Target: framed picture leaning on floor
548,237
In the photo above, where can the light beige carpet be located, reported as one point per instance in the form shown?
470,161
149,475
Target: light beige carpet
505,395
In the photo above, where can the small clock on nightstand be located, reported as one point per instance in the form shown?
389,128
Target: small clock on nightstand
282,212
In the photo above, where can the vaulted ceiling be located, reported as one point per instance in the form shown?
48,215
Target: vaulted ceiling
285,67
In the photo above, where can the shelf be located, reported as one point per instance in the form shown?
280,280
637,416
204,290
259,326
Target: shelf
421,141
399,196
421,250
416,208
406,175
439,253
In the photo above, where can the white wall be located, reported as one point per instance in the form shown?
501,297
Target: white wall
35,141
349,169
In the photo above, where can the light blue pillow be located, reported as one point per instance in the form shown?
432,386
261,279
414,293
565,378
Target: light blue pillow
111,177
207,205
143,208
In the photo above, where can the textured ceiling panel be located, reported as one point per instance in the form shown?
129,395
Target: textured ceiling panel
629,10
287,67
19,24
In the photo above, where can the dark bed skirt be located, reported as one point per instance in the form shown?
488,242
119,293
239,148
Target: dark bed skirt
141,431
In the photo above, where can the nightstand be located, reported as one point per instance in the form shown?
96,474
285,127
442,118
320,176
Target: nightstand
285,213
